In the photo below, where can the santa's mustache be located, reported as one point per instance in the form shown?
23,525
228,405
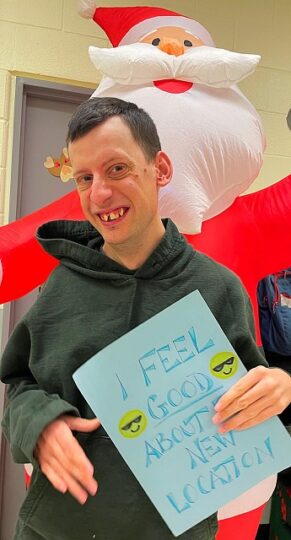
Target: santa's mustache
142,63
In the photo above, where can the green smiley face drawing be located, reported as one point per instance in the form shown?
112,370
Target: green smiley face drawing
132,424
224,365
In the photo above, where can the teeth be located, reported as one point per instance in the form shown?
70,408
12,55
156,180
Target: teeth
112,215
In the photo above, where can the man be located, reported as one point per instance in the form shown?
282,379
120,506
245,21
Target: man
117,270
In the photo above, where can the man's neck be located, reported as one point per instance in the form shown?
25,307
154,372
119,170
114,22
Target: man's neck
133,254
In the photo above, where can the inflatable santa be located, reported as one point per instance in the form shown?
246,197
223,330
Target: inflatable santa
168,64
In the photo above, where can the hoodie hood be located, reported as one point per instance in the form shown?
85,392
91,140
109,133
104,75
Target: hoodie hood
77,245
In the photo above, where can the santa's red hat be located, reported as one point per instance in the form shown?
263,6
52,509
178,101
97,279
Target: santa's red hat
125,25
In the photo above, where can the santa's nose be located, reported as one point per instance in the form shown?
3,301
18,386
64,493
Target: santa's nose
171,46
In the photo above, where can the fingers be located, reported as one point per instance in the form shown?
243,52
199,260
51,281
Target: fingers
241,387
82,424
62,459
247,417
259,395
265,414
55,480
241,402
61,478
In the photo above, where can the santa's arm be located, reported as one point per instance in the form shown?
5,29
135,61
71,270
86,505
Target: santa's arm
252,237
23,263
271,208
253,234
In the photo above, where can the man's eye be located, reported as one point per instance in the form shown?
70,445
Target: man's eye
117,169
188,43
156,42
84,181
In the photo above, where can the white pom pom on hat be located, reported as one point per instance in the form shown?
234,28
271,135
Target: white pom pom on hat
126,25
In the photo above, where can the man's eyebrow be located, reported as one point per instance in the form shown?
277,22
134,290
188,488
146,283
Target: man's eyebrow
81,171
103,164
116,157
111,160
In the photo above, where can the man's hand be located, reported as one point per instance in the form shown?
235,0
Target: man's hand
62,459
259,395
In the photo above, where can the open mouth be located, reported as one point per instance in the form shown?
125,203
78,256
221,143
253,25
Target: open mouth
114,215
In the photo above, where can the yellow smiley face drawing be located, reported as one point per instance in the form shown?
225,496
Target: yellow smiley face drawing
132,424
224,365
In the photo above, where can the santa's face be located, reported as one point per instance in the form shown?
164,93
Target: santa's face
176,41
172,40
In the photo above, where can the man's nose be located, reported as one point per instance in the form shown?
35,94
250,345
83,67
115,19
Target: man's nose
171,46
100,191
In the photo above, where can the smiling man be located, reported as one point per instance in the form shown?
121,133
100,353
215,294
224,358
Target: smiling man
117,269
118,182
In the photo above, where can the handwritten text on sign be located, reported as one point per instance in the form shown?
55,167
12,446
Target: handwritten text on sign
154,391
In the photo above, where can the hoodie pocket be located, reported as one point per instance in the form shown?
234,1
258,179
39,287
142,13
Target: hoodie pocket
119,511
36,490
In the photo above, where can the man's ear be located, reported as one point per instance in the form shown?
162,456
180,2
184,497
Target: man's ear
164,169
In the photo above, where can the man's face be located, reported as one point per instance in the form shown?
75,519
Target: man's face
117,185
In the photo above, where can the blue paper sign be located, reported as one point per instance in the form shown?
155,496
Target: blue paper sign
154,391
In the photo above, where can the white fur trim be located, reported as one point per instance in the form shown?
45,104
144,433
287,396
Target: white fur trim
28,468
86,8
149,25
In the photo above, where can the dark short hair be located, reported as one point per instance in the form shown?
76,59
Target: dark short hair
97,110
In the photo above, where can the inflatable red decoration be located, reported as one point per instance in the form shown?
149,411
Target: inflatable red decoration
23,264
252,237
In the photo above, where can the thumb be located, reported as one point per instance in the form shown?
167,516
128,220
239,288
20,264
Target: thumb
82,424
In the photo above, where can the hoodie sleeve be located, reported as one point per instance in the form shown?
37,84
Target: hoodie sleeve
28,409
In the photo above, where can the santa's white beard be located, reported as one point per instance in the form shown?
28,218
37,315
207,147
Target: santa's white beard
215,140
141,63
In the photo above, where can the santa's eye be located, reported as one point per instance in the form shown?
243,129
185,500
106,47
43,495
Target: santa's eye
188,43
156,41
